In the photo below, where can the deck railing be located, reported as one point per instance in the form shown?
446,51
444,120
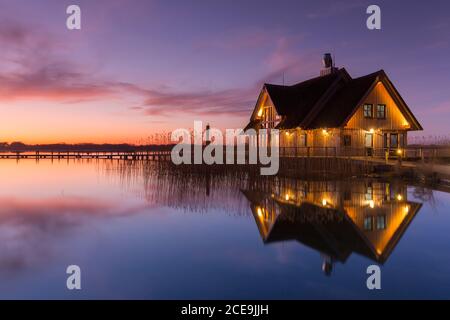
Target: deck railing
308,152
408,153
413,153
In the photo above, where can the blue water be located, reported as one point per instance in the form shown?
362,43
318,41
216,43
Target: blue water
137,233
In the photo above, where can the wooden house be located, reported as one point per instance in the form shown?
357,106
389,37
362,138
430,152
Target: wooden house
335,218
335,114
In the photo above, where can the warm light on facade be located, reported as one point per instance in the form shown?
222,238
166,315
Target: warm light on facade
372,130
324,132
260,112
260,212
372,204
406,209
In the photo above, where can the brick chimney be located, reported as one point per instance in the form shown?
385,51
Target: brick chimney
328,65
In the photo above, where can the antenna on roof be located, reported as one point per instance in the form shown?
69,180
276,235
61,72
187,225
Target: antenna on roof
283,78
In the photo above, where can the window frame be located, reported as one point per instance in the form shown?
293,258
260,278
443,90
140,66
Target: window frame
368,223
391,136
302,140
381,222
369,193
366,136
347,140
384,111
365,111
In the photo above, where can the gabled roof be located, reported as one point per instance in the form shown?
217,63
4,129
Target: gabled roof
337,235
295,101
253,124
328,101
337,110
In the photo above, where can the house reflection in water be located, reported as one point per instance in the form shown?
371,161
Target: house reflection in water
334,218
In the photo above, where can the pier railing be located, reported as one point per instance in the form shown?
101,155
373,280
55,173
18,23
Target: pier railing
409,153
123,155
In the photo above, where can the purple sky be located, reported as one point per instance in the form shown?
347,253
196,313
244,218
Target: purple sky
139,67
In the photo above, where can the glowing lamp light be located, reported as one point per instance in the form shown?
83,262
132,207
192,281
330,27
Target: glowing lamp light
324,202
399,151
287,134
324,132
259,212
372,130
399,197
406,209
372,204
260,112
287,197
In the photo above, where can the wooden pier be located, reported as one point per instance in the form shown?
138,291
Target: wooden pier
425,167
138,155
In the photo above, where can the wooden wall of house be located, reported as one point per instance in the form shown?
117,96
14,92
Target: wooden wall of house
269,115
394,117
316,141
374,207
357,147
358,125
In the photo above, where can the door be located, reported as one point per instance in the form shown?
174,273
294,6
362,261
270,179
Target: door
394,141
368,143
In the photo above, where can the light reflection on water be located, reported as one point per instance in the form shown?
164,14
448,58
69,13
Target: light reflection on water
148,231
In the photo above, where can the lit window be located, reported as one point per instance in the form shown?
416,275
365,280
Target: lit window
381,111
302,140
369,193
368,111
368,225
381,222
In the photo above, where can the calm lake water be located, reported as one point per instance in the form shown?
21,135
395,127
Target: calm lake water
139,231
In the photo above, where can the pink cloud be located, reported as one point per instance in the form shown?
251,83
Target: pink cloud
283,59
201,102
37,68
34,68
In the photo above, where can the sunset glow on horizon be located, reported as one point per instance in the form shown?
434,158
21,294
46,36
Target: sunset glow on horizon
137,68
